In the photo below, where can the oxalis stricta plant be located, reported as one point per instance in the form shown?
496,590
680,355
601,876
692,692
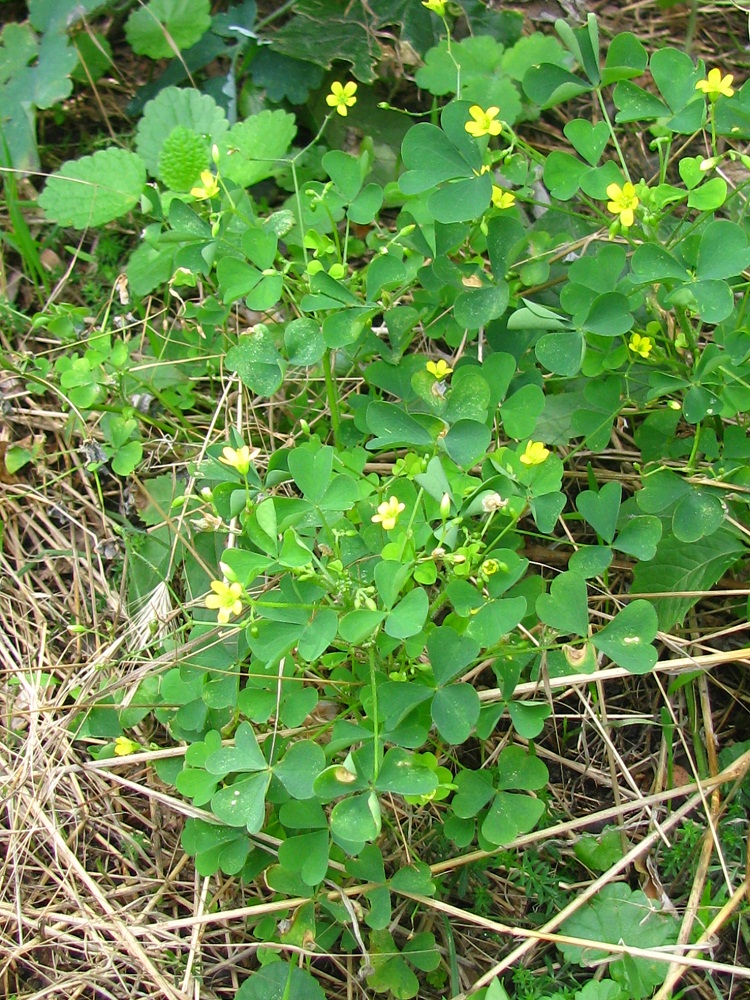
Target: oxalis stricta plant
361,604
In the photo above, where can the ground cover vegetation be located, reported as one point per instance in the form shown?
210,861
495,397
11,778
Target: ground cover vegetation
376,474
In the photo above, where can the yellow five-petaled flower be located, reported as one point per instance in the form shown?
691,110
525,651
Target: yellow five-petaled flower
124,746
716,85
502,198
239,458
623,202
641,345
436,6
440,369
342,97
388,512
208,187
535,453
226,598
483,122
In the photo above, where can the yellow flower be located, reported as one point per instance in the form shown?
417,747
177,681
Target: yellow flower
388,512
501,198
124,746
623,202
641,345
484,122
716,85
439,369
239,458
535,453
342,97
436,6
227,598
208,187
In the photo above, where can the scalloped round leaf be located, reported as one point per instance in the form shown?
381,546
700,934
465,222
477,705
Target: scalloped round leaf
175,106
182,158
255,145
162,28
95,189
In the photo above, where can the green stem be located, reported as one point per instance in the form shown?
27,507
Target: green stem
694,452
612,133
377,746
332,395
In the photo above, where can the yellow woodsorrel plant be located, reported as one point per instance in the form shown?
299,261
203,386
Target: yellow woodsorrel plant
361,602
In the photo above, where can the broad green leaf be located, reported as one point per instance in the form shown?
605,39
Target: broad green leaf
403,774
174,106
311,467
257,361
519,769
356,626
357,818
563,173
675,74
393,426
307,855
474,792
299,768
449,653
521,410
467,442
588,140
243,802
565,607
161,28
430,159
561,352
627,639
408,617
528,717
480,306
245,755
591,560
698,514
304,342
637,104
548,85
723,251
709,196
639,537
94,190
621,915
511,815
280,980
252,148
679,567
455,710
601,509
